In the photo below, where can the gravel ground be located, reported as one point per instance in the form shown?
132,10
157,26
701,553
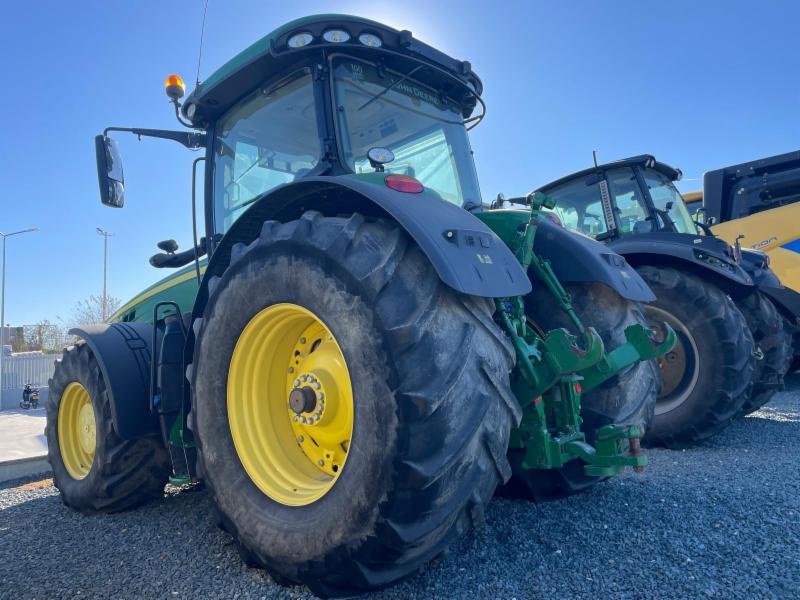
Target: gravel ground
719,521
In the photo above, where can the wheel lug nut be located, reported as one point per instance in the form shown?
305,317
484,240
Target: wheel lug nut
300,439
291,370
321,462
302,340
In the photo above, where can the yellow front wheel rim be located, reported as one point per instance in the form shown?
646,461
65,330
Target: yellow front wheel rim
77,430
290,404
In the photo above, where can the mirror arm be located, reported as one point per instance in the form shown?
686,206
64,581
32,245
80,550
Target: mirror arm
189,139
178,259
178,114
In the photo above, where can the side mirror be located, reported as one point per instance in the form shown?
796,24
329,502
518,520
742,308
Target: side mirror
109,172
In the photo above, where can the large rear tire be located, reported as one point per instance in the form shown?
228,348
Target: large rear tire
420,396
95,469
773,349
627,398
707,376
792,328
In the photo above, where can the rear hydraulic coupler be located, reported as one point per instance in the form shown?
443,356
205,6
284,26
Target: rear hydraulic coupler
554,369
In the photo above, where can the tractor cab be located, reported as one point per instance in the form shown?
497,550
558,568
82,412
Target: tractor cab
365,117
627,197
634,207
324,96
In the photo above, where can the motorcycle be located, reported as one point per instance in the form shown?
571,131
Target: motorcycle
30,397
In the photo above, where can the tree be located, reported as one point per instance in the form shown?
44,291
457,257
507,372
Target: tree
46,336
43,336
14,336
90,311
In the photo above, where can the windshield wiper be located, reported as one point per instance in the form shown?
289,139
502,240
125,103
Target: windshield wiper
389,87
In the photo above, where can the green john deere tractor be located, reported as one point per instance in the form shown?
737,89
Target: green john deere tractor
360,360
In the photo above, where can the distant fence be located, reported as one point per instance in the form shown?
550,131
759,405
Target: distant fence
30,368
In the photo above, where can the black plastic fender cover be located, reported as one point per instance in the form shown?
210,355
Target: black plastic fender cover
577,258
467,255
123,351
683,247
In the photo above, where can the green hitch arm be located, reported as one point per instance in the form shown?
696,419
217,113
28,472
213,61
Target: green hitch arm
557,355
607,457
563,356
642,344
544,272
541,267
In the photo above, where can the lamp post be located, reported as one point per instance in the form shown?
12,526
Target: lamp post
3,302
105,235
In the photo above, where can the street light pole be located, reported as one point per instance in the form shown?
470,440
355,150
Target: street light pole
3,303
104,308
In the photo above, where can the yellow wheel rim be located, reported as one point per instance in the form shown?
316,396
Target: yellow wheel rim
290,404
77,430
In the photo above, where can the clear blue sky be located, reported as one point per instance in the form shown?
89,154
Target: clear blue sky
698,84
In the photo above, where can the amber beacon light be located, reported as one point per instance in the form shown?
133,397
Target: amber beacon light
175,87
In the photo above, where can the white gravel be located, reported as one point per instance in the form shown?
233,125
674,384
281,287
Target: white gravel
719,521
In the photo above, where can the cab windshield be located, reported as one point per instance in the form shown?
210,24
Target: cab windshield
662,192
424,129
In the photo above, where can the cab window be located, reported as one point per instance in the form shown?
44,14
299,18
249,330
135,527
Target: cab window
268,139
667,199
579,207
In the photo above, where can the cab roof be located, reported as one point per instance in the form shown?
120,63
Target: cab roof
642,160
271,56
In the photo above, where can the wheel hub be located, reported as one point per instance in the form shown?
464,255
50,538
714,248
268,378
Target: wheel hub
86,428
302,400
679,367
307,399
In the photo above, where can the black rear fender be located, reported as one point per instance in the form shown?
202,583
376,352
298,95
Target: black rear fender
577,258
467,255
706,257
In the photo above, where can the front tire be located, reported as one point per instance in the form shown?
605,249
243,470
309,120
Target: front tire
707,376
774,349
427,384
94,469
627,398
